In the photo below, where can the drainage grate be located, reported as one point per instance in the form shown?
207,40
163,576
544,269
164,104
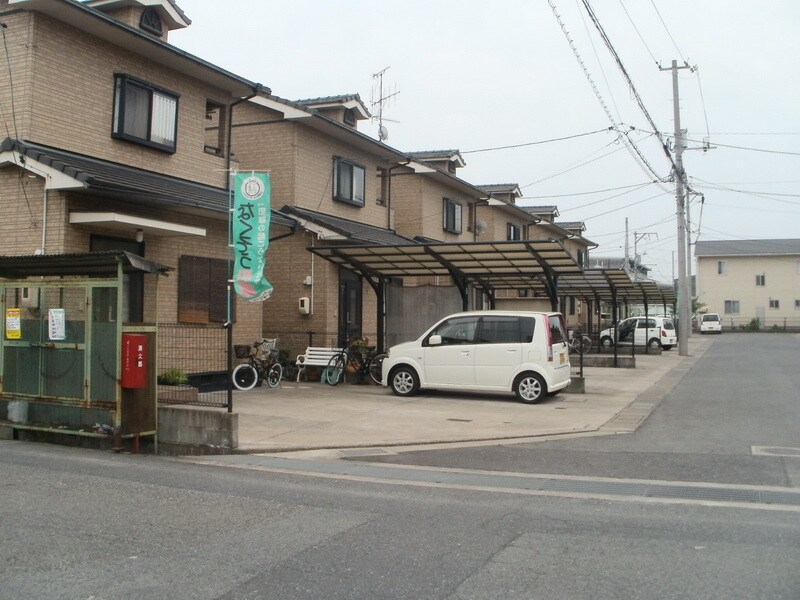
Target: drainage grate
461,420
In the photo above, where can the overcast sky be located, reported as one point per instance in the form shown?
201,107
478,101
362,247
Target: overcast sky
474,75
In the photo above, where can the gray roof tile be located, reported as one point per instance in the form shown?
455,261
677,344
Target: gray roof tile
747,247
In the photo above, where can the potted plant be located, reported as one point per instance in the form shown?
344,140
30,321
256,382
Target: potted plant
173,387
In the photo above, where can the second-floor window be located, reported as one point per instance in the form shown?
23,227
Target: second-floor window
774,303
145,114
349,182
451,215
761,280
514,232
722,267
731,307
581,258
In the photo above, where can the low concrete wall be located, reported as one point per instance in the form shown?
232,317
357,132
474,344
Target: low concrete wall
606,360
193,431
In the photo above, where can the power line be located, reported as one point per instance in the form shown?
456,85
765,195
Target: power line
560,139
522,187
629,144
638,32
622,187
667,30
624,207
604,199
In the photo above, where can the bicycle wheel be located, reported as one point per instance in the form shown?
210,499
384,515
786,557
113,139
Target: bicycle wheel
586,344
274,374
376,367
244,377
335,371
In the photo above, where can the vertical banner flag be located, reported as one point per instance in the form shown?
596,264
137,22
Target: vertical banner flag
251,217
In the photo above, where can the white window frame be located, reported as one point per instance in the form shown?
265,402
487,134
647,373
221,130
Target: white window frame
774,304
345,170
451,215
161,130
722,267
761,280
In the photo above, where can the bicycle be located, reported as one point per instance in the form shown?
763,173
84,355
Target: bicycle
262,365
579,342
365,361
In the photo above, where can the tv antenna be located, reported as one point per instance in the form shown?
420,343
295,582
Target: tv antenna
381,96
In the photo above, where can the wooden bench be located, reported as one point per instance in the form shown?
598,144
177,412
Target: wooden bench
315,357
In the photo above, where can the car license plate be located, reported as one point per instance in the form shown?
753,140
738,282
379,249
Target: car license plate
563,358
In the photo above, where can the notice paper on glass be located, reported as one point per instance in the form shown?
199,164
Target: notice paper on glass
56,321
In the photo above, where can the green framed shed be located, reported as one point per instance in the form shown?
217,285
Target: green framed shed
72,361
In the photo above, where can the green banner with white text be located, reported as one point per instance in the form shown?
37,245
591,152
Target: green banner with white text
251,218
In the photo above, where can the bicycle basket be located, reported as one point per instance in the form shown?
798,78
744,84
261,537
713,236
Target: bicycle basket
241,350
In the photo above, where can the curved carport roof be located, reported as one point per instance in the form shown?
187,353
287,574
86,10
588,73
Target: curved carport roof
488,265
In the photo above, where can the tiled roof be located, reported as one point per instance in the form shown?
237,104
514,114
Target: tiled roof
435,154
353,230
116,179
747,247
328,99
571,225
535,210
490,188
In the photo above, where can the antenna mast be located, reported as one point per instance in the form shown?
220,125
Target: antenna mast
380,97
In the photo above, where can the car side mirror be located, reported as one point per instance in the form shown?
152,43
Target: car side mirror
435,340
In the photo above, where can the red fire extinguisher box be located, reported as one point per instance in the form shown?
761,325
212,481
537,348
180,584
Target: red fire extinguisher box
134,360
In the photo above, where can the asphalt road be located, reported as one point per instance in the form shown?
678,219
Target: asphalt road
86,524
744,392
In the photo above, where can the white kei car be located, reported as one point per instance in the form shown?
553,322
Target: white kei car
485,351
654,332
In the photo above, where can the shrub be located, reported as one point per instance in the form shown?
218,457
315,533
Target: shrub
173,377
754,324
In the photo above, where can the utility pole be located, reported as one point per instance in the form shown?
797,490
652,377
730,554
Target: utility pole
637,237
625,264
684,291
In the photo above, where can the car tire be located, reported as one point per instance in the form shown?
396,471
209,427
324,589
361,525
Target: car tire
530,388
606,342
666,347
404,381
653,344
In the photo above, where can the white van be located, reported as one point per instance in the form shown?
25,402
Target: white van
485,351
655,332
710,323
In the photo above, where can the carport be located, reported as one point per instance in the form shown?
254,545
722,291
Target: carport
489,266
543,266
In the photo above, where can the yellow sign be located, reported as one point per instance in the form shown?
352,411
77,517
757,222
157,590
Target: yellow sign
13,324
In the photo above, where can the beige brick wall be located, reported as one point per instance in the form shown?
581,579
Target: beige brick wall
70,101
418,208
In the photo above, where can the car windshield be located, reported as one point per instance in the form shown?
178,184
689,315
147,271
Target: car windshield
710,317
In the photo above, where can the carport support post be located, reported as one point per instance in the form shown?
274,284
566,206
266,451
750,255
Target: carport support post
380,292
615,318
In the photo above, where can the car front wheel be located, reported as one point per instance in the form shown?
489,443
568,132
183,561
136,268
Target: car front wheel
606,342
530,388
404,381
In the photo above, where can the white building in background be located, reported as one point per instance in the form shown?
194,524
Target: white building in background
744,280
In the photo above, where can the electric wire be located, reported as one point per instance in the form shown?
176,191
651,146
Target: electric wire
623,207
667,30
559,139
599,64
572,168
702,102
604,199
622,187
632,148
638,32
634,91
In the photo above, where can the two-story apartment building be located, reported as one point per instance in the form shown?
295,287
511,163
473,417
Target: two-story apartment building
743,280
109,148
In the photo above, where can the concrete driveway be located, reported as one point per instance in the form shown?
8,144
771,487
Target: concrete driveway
317,416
